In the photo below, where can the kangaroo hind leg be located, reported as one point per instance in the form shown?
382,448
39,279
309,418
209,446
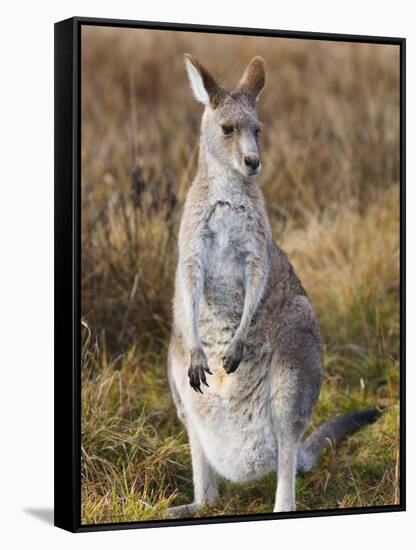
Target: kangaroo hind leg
295,390
205,483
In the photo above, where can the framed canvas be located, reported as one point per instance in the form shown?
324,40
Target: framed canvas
229,274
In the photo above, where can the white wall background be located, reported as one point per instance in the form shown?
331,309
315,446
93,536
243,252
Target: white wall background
26,271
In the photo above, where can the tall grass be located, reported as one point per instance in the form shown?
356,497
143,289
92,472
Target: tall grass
330,150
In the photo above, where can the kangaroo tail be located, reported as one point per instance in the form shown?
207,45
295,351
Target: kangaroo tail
333,430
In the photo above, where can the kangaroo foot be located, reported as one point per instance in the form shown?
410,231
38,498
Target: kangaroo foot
183,511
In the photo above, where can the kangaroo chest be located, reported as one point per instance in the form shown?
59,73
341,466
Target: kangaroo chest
227,244
226,230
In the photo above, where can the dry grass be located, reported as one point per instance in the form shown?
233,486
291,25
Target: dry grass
331,171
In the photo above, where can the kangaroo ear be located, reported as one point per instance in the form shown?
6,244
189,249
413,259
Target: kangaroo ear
253,80
204,86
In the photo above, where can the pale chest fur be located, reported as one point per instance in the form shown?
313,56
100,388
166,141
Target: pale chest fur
227,243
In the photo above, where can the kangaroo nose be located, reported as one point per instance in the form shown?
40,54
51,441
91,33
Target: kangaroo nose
252,161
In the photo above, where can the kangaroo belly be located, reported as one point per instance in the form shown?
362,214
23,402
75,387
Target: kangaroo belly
233,420
240,447
241,456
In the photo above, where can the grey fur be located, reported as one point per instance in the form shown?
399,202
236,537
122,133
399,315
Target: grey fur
245,352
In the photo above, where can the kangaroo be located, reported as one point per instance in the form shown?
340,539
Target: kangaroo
244,360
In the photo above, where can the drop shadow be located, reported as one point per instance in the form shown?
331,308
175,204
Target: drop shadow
43,514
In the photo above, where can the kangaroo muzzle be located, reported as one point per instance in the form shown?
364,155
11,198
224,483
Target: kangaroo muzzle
252,163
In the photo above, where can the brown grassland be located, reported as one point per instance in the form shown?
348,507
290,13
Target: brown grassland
330,152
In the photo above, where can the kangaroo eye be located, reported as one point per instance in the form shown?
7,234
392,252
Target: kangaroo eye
257,132
227,129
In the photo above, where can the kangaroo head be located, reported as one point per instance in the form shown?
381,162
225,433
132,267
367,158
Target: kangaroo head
230,127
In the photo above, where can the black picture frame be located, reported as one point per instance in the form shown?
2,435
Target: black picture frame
67,385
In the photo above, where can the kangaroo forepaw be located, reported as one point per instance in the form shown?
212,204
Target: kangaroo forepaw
197,370
233,356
